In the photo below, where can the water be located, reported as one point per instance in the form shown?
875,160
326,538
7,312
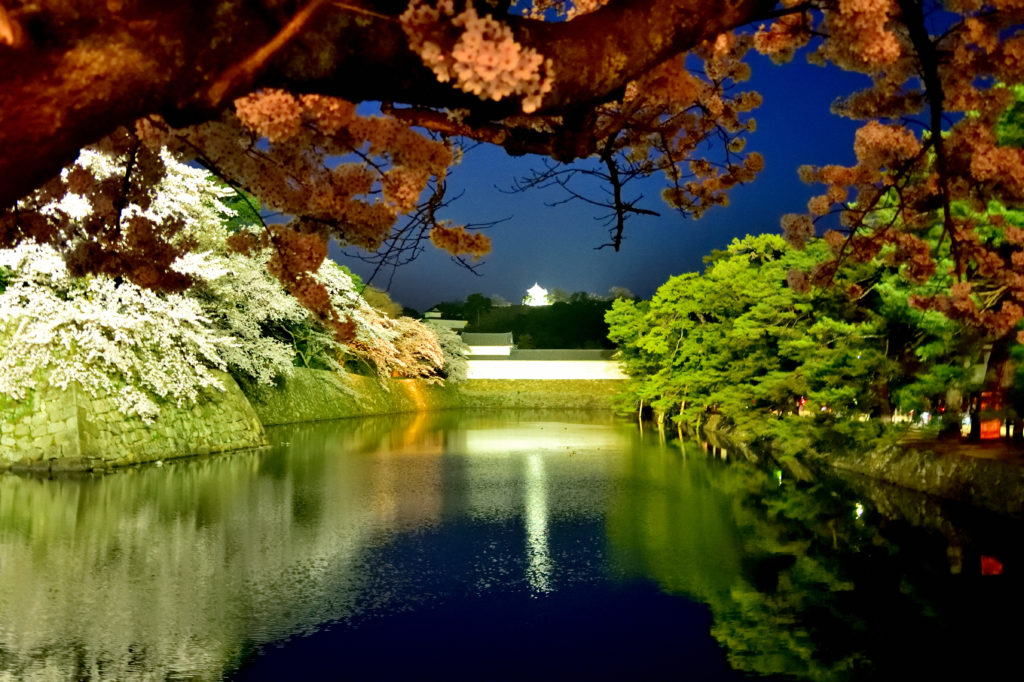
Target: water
495,547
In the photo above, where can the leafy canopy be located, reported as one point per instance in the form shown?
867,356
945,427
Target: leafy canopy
743,341
265,96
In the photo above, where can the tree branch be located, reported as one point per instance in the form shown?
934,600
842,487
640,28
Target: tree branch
88,71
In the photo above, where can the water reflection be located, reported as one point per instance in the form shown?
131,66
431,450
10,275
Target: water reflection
464,534
171,572
181,571
539,570
829,580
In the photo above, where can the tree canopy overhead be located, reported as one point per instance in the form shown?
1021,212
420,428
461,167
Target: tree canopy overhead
263,93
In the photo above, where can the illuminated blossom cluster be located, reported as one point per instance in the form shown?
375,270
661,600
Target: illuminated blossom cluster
673,112
145,347
781,39
797,229
482,57
111,338
273,114
419,353
860,33
120,209
341,175
907,183
400,347
673,121
941,75
456,240
298,172
241,301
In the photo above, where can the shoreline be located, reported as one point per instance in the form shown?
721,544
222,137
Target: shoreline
987,476
56,431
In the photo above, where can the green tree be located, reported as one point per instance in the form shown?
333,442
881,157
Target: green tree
749,340
475,306
576,322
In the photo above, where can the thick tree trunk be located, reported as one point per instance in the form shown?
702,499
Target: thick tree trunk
76,71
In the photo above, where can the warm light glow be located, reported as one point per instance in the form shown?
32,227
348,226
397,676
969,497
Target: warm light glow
991,565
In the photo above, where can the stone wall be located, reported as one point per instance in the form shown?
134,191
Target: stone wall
573,394
314,395
993,484
70,430
43,426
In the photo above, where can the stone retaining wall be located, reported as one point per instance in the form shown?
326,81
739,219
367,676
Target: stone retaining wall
43,425
313,395
993,484
572,394
70,430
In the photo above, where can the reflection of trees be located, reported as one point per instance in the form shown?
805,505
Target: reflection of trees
765,558
181,571
791,592
178,571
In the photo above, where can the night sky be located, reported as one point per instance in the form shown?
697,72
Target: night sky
555,246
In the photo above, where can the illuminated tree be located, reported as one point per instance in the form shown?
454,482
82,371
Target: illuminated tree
132,344
381,302
744,341
143,347
455,366
264,94
419,352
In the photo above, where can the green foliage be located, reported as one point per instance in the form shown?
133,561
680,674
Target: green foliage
6,275
572,321
740,341
358,284
577,322
243,208
475,306
774,578
1010,128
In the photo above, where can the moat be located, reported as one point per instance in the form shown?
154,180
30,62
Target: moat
494,546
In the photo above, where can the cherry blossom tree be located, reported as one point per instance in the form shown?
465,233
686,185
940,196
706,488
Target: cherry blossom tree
142,347
136,346
264,95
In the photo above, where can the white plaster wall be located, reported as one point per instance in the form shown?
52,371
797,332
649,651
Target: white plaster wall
489,350
544,369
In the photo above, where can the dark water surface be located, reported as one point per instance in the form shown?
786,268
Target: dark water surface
511,546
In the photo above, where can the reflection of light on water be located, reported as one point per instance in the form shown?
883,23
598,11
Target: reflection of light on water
413,433
538,570
537,437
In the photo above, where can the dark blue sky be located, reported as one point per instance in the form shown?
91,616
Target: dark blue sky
555,246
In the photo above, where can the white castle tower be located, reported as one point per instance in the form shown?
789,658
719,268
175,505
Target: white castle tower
536,295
